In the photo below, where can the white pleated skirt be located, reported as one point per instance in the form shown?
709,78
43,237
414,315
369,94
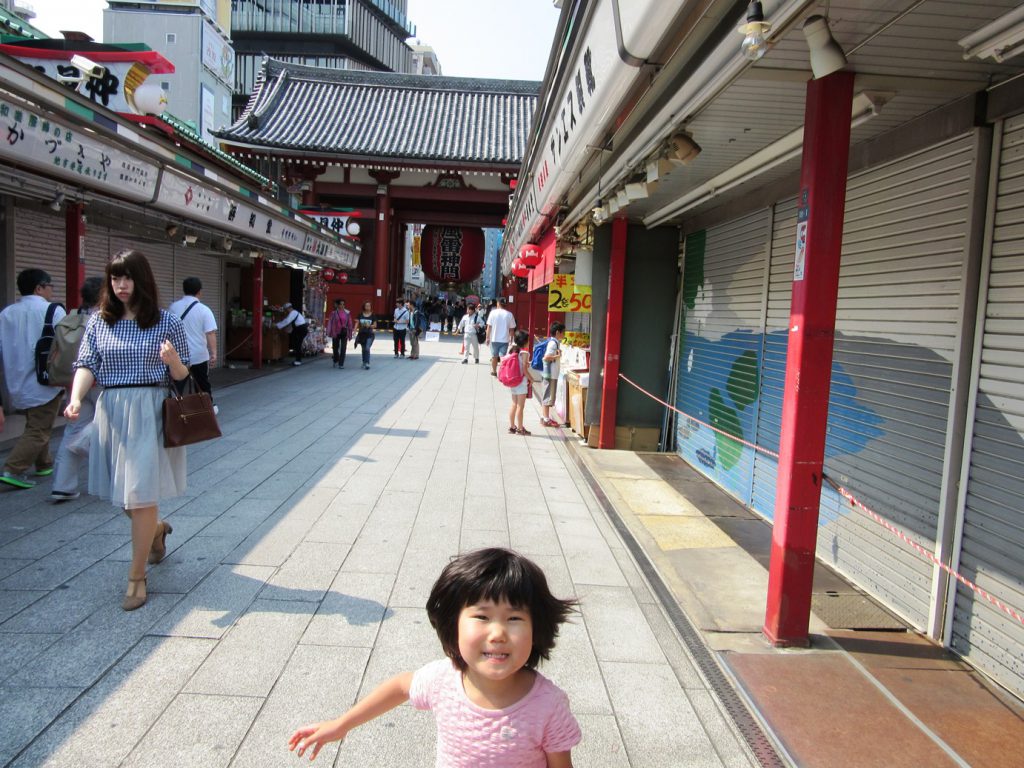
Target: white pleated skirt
128,463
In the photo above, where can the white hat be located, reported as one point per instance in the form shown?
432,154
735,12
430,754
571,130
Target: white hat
287,305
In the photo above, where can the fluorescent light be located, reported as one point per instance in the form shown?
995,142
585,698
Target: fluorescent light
1002,39
865,106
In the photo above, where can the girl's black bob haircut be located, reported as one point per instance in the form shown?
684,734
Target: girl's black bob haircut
497,575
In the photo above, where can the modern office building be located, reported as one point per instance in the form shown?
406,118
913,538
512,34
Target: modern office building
335,34
199,90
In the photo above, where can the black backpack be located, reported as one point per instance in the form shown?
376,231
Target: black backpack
44,344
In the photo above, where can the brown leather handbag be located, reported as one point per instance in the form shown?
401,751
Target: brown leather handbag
188,416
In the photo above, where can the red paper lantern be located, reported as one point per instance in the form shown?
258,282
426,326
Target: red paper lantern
342,277
530,255
452,254
519,269
328,274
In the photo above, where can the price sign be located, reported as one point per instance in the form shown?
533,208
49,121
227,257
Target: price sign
577,339
560,293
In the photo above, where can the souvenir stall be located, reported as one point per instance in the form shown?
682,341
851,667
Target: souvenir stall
314,300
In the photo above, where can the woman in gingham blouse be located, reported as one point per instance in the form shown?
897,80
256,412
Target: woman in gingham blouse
129,348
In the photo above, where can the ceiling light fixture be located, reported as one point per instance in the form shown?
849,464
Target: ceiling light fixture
172,229
1001,40
754,45
57,202
826,54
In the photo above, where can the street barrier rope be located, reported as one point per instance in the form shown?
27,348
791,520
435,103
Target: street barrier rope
858,505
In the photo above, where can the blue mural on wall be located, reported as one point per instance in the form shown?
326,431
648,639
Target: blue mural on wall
735,384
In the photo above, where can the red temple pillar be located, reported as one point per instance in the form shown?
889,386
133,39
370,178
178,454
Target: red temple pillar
381,238
257,312
74,253
809,357
613,335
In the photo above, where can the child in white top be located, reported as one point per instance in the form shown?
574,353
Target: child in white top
496,620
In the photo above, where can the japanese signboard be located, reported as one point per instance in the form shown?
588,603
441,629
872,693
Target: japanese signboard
563,297
68,152
218,57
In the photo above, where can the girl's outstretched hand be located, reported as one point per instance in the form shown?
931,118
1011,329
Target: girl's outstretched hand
316,735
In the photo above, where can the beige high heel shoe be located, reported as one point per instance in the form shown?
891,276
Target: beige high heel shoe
132,599
159,548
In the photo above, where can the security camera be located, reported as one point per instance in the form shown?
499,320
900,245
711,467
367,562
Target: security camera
88,67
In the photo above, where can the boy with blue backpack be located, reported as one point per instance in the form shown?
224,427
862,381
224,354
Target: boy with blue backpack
549,364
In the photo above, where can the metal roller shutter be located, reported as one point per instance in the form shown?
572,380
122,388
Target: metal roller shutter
723,295
161,260
39,243
210,269
992,537
904,242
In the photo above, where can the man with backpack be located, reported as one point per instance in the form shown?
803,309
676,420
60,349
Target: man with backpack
74,445
26,334
549,372
201,332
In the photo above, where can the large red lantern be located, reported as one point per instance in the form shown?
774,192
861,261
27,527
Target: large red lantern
519,269
342,277
452,254
530,255
328,275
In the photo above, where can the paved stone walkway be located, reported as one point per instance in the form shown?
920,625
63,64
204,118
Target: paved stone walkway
299,566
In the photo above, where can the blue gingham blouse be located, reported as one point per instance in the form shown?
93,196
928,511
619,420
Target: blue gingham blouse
124,354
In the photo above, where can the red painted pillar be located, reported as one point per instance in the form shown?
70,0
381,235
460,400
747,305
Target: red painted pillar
613,335
74,253
381,231
809,357
257,312
529,318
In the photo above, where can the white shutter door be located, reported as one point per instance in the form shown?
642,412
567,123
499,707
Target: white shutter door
904,240
992,542
723,287
39,244
209,268
161,260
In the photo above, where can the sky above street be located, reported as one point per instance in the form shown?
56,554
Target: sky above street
472,38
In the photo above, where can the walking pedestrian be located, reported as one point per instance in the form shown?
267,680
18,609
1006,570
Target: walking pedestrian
401,324
339,328
366,332
453,312
130,347
21,325
297,328
468,327
74,444
496,619
417,326
549,374
201,332
500,325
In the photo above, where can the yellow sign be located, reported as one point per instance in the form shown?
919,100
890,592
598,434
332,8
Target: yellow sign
577,339
416,250
565,296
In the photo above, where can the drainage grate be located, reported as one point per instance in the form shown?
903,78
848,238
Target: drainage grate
762,747
853,611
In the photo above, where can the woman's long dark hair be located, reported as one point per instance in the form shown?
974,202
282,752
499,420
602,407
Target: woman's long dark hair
144,302
364,307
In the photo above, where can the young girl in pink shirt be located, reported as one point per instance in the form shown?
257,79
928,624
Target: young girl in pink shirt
496,619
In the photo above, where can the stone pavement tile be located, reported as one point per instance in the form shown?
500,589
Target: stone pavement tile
239,520
12,602
25,712
403,737
678,656
17,651
471,540
247,661
532,534
15,524
318,683
484,514
53,536
631,573
379,549
409,629
60,565
435,531
212,607
618,628
352,611
601,744
12,565
573,667
270,543
340,526
196,731
307,574
570,509
721,732
184,528
81,656
414,577
338,473
658,724
62,609
557,574
189,563
586,551
388,661
280,485
209,503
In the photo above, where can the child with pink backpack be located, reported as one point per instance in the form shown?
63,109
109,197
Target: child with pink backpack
512,373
